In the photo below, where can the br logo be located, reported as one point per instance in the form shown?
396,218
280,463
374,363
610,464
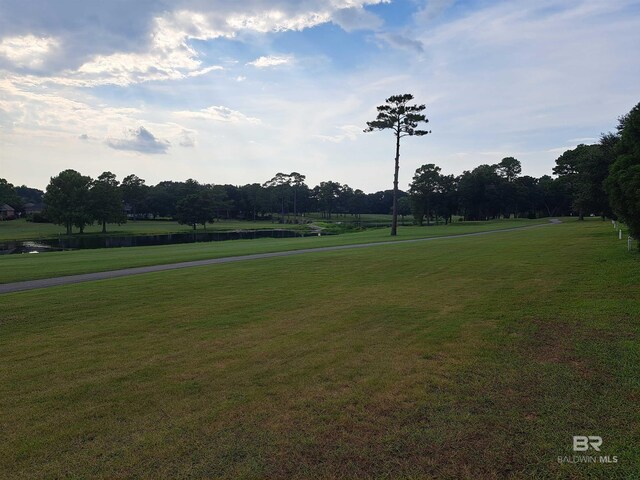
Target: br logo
582,443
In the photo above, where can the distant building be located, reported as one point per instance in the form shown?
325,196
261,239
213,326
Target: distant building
7,212
30,208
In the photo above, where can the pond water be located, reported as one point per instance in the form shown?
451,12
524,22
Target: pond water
117,241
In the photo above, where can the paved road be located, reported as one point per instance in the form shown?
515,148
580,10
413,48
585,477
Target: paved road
89,277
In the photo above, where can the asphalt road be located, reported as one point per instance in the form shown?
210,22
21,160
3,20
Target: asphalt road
90,277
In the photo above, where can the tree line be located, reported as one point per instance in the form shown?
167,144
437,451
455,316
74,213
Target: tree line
75,200
600,179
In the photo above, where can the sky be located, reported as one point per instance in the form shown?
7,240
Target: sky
227,91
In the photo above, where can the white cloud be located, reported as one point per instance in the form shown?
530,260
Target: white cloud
497,78
27,51
276,21
271,61
399,40
218,114
586,140
33,107
356,18
140,140
347,132
125,47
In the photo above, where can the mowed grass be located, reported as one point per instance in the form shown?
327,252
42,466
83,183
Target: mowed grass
15,268
474,358
23,230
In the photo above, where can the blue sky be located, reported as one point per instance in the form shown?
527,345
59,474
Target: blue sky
235,91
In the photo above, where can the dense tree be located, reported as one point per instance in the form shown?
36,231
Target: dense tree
9,195
479,193
30,195
424,191
382,202
106,201
279,187
358,203
527,197
623,183
448,199
583,170
509,168
162,199
134,194
403,119
554,199
217,195
433,194
297,184
67,200
404,207
196,208
253,201
326,195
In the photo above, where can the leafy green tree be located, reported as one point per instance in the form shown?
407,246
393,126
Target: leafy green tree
67,200
279,185
9,195
217,195
417,209
448,198
554,200
253,201
623,183
134,193
358,203
404,207
30,195
190,187
162,199
106,201
327,194
345,195
480,193
425,188
403,119
196,208
528,196
297,184
583,170
509,168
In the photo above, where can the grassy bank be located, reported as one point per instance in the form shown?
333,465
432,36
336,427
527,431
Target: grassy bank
467,358
23,230
27,267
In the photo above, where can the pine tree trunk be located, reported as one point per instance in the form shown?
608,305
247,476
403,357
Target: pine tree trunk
394,221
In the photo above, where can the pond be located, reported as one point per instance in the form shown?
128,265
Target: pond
117,241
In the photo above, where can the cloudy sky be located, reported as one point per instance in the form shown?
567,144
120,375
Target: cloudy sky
228,91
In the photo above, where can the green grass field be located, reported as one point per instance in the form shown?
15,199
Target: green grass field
28,267
23,230
475,357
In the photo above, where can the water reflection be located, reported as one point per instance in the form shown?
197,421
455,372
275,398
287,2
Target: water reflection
117,241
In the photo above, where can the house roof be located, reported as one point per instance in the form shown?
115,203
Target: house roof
6,207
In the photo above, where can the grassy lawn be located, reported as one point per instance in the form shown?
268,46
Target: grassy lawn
27,267
465,358
23,230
